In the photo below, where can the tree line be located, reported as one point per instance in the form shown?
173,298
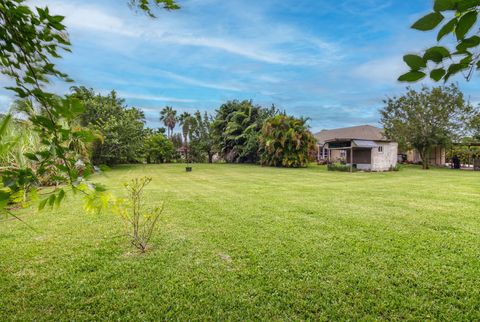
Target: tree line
237,132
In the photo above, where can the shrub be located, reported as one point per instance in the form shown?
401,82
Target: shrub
395,168
286,142
337,166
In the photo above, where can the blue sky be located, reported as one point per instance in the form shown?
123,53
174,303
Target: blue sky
332,61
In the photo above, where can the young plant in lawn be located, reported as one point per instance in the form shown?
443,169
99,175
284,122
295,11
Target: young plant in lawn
139,220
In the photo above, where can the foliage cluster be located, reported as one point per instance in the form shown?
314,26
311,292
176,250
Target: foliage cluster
236,130
427,118
457,22
30,39
285,141
341,167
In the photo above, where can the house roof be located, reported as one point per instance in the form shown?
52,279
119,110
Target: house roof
362,132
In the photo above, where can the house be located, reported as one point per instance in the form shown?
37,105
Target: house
363,147
437,156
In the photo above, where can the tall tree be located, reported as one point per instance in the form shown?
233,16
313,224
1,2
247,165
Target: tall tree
461,50
187,121
236,128
201,137
169,118
426,118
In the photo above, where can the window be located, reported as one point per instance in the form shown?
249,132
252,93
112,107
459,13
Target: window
380,149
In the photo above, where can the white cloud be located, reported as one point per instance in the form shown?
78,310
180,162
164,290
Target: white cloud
273,43
383,70
87,17
195,82
155,97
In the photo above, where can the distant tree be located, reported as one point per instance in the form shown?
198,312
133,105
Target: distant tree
442,62
285,141
201,137
188,122
475,126
426,118
158,148
169,118
121,127
177,140
236,128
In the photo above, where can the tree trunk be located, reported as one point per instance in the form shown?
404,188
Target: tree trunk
210,157
424,154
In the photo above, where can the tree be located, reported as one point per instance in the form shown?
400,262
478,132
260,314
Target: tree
236,128
188,123
426,118
121,127
457,19
475,126
169,118
158,148
286,142
201,138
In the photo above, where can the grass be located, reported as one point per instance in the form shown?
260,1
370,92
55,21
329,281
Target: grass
251,243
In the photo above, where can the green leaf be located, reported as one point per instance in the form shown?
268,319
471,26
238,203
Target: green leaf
51,200
444,5
414,62
463,5
437,74
31,156
446,29
60,197
453,69
473,41
411,76
42,204
4,123
436,54
465,62
428,22
465,23
4,199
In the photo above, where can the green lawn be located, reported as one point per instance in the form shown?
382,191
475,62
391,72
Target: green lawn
251,243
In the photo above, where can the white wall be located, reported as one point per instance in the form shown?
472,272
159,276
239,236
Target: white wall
383,161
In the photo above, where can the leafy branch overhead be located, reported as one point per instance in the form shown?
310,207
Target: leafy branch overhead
31,38
456,21
147,5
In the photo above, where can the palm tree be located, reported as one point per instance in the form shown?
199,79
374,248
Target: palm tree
286,141
187,121
169,118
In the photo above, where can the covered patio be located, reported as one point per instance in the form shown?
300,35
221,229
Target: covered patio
358,152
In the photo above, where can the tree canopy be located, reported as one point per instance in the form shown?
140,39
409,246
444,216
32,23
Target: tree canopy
121,127
426,118
169,118
236,129
285,141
